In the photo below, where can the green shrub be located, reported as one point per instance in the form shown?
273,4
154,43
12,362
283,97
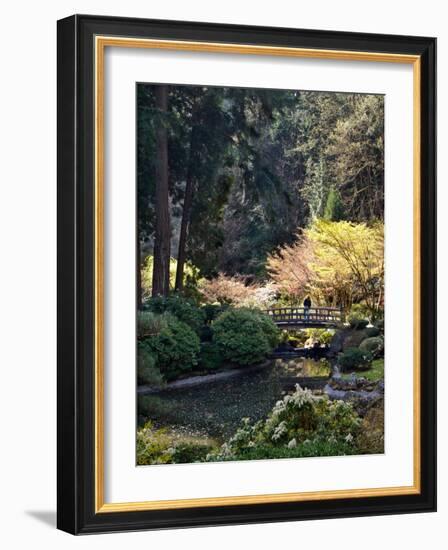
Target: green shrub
323,336
147,369
176,348
149,324
158,446
155,407
188,452
370,439
185,310
354,358
297,420
374,346
244,336
269,328
212,311
358,323
206,334
360,310
371,332
210,357
297,337
302,450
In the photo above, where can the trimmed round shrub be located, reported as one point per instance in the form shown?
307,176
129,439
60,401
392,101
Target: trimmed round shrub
210,357
147,369
176,348
374,346
186,453
244,336
355,359
379,324
270,329
149,324
206,333
357,322
185,310
372,332
212,311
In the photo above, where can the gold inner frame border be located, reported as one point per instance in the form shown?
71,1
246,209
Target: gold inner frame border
100,44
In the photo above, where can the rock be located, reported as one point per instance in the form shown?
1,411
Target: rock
347,338
354,338
337,342
362,393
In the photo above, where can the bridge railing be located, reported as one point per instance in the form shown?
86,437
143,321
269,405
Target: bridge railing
301,315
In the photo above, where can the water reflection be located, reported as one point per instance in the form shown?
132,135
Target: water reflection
303,367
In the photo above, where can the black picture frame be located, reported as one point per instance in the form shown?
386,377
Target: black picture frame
76,259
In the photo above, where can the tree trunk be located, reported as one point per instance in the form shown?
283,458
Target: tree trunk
181,256
139,272
186,210
161,271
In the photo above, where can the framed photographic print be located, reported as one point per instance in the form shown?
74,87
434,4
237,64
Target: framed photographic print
246,274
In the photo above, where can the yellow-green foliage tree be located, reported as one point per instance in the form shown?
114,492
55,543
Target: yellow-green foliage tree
336,262
350,254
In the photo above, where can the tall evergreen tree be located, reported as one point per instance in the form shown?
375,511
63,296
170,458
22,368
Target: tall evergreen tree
334,208
227,175
161,270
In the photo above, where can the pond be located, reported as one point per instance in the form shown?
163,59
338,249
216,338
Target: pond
303,367
215,409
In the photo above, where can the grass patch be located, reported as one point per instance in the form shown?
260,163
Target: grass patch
375,373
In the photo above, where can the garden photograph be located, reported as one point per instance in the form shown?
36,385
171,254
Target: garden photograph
259,274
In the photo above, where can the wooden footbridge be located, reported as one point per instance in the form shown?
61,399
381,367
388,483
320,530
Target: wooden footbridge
301,317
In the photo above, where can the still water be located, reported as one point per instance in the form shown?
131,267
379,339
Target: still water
216,409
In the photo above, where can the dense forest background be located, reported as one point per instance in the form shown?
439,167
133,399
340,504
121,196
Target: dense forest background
236,175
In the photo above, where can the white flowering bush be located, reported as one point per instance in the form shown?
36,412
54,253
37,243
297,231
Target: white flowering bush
262,297
301,424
